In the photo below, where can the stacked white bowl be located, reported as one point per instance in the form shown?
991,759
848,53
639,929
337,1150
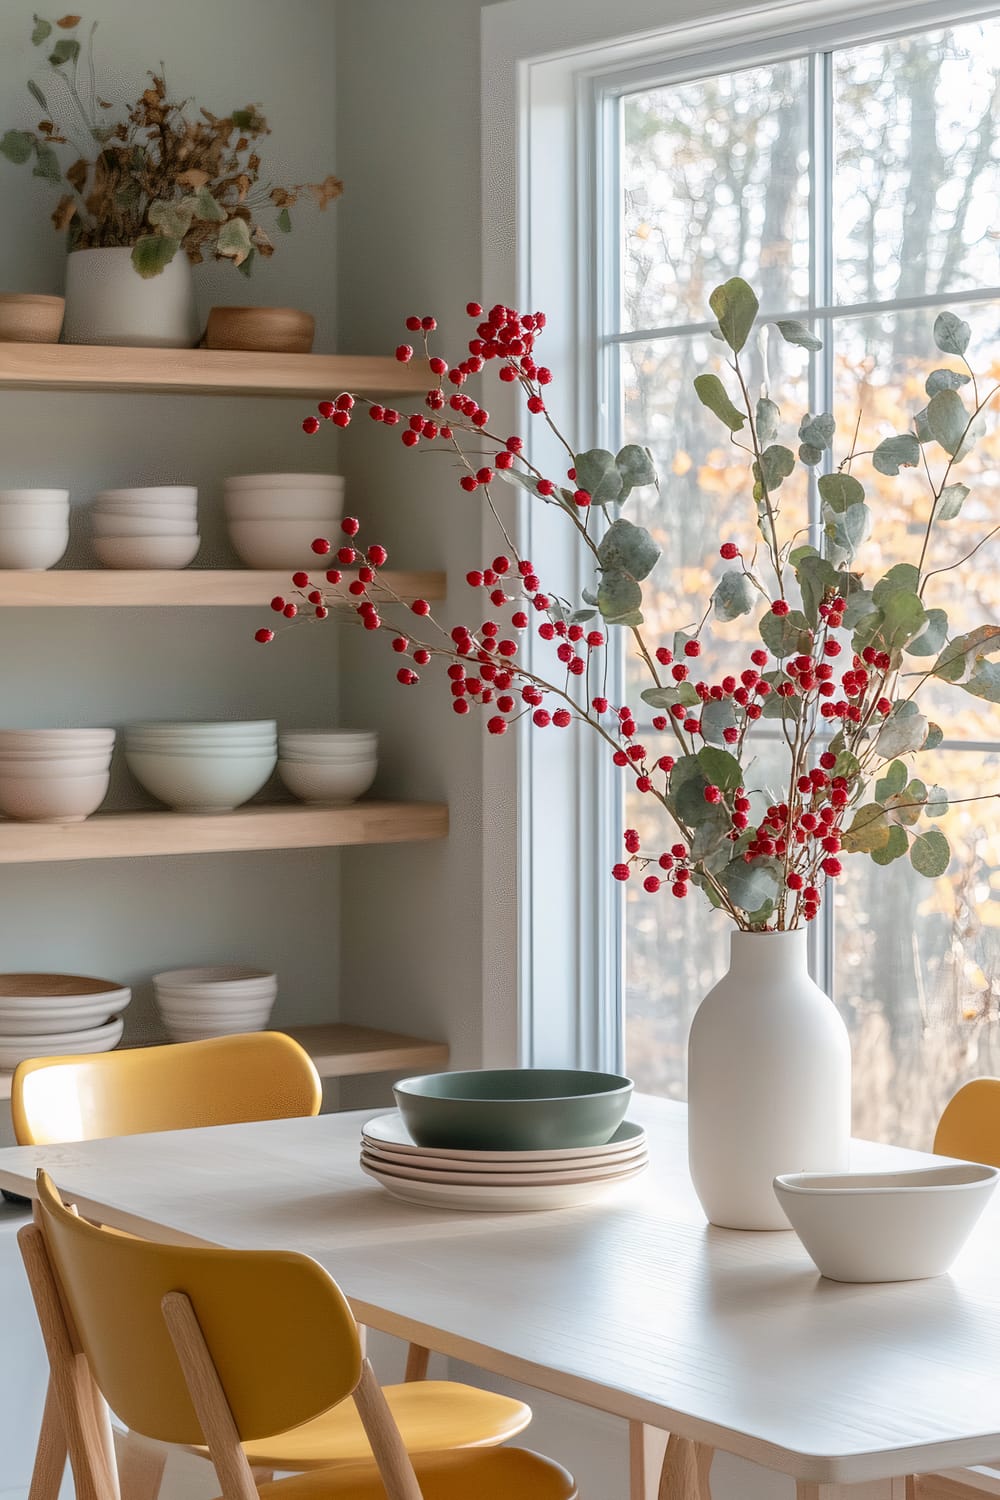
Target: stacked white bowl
148,526
46,1014
328,767
216,1001
203,767
274,519
54,775
34,528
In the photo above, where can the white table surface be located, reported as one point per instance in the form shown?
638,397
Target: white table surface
632,1304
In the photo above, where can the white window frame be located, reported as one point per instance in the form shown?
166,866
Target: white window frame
545,72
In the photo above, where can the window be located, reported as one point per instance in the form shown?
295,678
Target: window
857,187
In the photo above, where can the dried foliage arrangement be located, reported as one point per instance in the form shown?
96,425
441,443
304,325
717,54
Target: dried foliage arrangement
165,178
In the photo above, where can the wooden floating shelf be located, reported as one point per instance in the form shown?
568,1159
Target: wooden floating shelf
277,826
111,588
342,1051
204,372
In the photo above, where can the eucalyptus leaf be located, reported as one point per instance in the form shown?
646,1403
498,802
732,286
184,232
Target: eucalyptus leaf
597,473
785,635
245,266
869,830
720,768
809,455
713,394
284,221
666,697
67,49
953,426
839,491
922,426
751,886
152,252
859,604
204,206
709,840
932,637
626,548
950,501
894,848
619,597
930,855
717,715
944,380
766,421
17,145
735,305
903,619
233,241
734,595
46,164
777,707
950,333
636,468
815,575
904,730
173,219
935,737
794,332
775,465
962,655
847,765
894,453
42,31
937,802
846,531
891,782
818,430
903,576
905,807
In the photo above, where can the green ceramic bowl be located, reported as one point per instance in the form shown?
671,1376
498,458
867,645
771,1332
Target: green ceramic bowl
513,1109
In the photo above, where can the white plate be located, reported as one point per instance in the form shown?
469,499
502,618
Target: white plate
42,1020
537,1181
427,1161
502,1200
390,1131
95,1039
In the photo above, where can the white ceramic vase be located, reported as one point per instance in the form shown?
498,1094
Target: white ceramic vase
108,302
769,1081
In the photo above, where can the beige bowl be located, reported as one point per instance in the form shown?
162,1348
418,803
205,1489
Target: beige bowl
34,497
269,330
18,766
127,526
153,494
167,552
52,799
322,507
27,318
327,783
285,482
27,550
58,740
201,783
275,544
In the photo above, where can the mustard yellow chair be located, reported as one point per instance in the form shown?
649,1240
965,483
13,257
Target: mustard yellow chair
226,1347
262,1075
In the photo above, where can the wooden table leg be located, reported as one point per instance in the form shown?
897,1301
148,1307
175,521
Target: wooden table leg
140,1466
684,1475
50,1459
646,1447
417,1360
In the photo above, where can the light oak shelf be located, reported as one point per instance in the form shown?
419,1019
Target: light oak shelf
278,826
203,372
208,587
342,1051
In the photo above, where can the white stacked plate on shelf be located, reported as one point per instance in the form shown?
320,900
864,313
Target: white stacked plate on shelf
498,1181
273,519
49,1015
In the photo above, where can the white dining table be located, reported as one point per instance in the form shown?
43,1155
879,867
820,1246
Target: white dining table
631,1304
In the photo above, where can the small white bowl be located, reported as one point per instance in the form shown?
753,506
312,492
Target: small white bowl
327,783
54,739
167,552
886,1226
69,765
34,497
187,728
215,974
204,783
168,494
49,516
155,509
127,526
275,543
52,799
322,507
285,482
32,551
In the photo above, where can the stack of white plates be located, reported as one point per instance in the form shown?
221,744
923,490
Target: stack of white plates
34,528
47,1015
498,1181
54,775
148,526
203,767
217,1001
328,767
274,519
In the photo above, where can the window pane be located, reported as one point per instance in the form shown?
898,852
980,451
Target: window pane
704,497
918,963
917,170
881,364
715,177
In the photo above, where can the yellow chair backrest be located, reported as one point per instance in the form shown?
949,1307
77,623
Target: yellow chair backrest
969,1127
259,1075
282,1337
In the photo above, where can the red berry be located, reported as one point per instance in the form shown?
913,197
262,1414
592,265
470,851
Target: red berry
600,705
794,881
390,417
561,718
679,889
344,402
759,658
832,867
664,656
828,760
326,408
376,413
712,794
341,419
535,404
545,487
277,604
413,324
692,648
421,657
729,550
406,677
514,444
474,309
582,497
420,607
651,884
350,525
496,725
428,324
290,611
264,636
320,546
542,718
484,475
468,483
544,376
884,706
310,425
460,705
779,607
404,353
334,575
400,643
621,872
410,439
345,555
321,611
438,365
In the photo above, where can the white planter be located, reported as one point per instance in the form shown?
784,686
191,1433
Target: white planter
108,302
769,1082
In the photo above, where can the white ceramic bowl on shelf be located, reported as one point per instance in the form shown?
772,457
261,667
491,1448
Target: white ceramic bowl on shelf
126,526
166,552
59,741
277,543
33,517
33,497
32,550
154,494
214,1001
29,765
189,730
153,510
886,1226
204,781
52,799
323,507
328,783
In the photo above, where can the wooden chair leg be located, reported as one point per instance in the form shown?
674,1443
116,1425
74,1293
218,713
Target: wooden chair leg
684,1470
417,1360
50,1458
140,1467
208,1399
387,1445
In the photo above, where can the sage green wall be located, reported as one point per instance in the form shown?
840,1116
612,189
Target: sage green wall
126,919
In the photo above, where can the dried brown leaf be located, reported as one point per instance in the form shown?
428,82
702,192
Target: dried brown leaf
194,177
76,175
324,192
64,212
68,22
